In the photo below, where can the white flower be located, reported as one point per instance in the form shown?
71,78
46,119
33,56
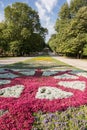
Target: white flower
48,92
84,74
13,91
28,72
4,82
65,76
80,85
2,70
8,75
49,73
16,70
23,70
80,73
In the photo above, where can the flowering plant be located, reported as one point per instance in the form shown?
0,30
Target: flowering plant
24,95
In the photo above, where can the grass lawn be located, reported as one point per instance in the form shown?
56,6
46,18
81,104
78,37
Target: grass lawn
43,94
37,62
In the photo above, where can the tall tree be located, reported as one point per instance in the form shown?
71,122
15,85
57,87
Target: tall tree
4,46
22,24
75,5
71,28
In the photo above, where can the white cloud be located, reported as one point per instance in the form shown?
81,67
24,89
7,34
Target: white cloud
1,4
68,1
41,10
1,13
51,30
48,4
1,17
45,10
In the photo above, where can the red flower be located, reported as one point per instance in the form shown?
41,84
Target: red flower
21,109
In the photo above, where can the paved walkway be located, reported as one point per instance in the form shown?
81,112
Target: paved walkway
78,63
8,61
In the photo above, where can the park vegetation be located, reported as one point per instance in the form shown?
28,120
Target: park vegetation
21,32
71,30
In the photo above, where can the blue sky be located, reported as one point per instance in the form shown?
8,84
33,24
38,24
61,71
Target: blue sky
47,9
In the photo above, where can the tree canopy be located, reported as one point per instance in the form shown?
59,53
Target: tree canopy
21,31
71,29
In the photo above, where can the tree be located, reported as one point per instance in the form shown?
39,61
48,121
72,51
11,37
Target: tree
64,13
75,5
20,15
77,32
71,28
22,29
37,43
4,47
52,42
15,48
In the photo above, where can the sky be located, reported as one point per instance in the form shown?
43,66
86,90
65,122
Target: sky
47,10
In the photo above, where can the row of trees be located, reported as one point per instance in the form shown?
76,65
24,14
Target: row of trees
71,28
21,31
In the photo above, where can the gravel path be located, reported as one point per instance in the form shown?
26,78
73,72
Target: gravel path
78,63
8,61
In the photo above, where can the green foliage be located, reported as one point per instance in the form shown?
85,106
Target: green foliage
15,48
85,50
37,42
71,28
4,47
52,42
76,5
25,33
22,31
64,12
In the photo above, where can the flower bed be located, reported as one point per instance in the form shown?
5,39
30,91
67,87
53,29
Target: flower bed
22,94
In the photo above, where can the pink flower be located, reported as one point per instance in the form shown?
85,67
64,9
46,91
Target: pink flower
20,109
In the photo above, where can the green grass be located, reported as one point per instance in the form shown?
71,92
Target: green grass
34,63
